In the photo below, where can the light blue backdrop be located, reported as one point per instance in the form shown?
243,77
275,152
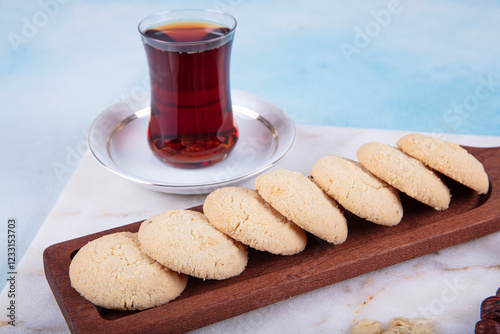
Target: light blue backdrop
416,65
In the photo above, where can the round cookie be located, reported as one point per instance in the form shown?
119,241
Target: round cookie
114,273
244,215
301,201
405,174
184,241
447,158
358,190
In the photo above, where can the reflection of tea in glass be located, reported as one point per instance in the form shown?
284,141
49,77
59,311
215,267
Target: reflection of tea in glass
191,122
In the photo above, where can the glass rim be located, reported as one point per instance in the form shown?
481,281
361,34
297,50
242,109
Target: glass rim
232,28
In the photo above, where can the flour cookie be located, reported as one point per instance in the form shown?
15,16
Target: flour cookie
184,241
304,203
358,190
447,158
114,273
244,215
405,174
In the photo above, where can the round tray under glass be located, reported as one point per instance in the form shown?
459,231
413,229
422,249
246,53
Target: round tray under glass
118,140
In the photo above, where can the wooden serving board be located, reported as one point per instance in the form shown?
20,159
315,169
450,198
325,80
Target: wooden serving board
270,278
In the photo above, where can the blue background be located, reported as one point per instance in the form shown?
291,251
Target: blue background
415,65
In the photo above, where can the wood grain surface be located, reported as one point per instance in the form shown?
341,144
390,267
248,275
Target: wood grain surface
270,278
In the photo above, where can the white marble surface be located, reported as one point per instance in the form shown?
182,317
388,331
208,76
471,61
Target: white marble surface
447,286
425,66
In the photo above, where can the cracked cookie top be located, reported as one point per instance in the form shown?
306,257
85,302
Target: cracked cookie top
448,158
405,173
114,273
300,200
244,215
185,241
358,190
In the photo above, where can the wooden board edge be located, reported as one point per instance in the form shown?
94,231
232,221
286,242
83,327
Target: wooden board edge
294,287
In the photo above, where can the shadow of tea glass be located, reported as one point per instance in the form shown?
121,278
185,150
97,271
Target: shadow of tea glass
188,53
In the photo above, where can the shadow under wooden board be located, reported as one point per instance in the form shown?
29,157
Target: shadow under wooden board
270,278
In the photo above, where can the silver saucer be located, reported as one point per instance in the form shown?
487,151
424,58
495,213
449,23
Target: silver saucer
117,139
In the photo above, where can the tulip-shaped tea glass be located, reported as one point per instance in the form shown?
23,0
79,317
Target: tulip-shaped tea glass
188,52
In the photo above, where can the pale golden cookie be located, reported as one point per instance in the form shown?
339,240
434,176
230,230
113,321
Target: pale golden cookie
304,203
405,174
244,215
184,241
114,273
358,190
447,158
